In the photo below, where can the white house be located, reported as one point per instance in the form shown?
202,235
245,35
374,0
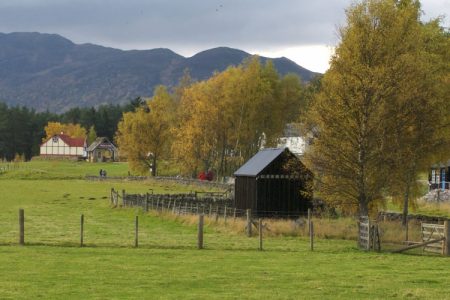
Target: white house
294,139
62,145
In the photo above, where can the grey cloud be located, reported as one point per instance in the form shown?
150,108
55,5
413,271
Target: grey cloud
262,24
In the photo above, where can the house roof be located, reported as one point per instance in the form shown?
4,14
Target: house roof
70,141
292,130
99,141
441,165
259,162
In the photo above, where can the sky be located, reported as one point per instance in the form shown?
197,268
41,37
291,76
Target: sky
301,30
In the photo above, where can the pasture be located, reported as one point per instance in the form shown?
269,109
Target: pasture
167,264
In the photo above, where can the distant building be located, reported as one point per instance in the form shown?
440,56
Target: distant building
102,150
62,145
294,140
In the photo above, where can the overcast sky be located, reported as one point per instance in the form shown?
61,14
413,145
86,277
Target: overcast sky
304,31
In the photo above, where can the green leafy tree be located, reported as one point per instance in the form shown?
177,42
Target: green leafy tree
92,135
144,136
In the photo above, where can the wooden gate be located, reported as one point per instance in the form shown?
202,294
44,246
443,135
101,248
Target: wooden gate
433,232
368,236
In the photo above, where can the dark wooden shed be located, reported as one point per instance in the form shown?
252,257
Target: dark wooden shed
274,183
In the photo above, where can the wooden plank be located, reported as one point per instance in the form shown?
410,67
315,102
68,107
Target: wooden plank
428,225
417,246
21,227
249,222
82,231
136,233
200,232
260,234
446,246
438,251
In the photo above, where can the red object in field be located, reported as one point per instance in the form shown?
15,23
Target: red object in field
210,175
202,175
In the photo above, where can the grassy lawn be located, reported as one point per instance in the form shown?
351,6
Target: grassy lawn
167,264
55,169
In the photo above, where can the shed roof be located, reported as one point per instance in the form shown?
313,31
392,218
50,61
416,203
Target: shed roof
99,141
259,162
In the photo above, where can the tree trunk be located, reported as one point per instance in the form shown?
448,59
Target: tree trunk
363,207
154,166
405,206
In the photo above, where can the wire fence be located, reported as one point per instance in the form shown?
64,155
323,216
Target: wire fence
8,167
208,203
218,204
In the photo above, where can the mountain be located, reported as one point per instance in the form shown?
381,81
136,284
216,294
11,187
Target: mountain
48,71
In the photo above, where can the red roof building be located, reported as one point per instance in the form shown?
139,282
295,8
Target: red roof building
61,145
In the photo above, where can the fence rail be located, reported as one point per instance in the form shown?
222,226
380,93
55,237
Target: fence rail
212,204
178,180
8,167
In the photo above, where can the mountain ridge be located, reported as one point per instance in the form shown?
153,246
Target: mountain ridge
50,72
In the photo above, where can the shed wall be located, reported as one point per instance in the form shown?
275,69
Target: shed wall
245,192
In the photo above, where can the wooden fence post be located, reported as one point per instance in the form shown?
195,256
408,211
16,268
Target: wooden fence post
146,202
124,201
311,236
249,222
225,215
21,227
200,232
447,238
260,234
234,214
309,219
112,195
136,232
217,213
82,230
407,229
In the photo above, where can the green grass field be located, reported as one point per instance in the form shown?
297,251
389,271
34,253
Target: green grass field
167,264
